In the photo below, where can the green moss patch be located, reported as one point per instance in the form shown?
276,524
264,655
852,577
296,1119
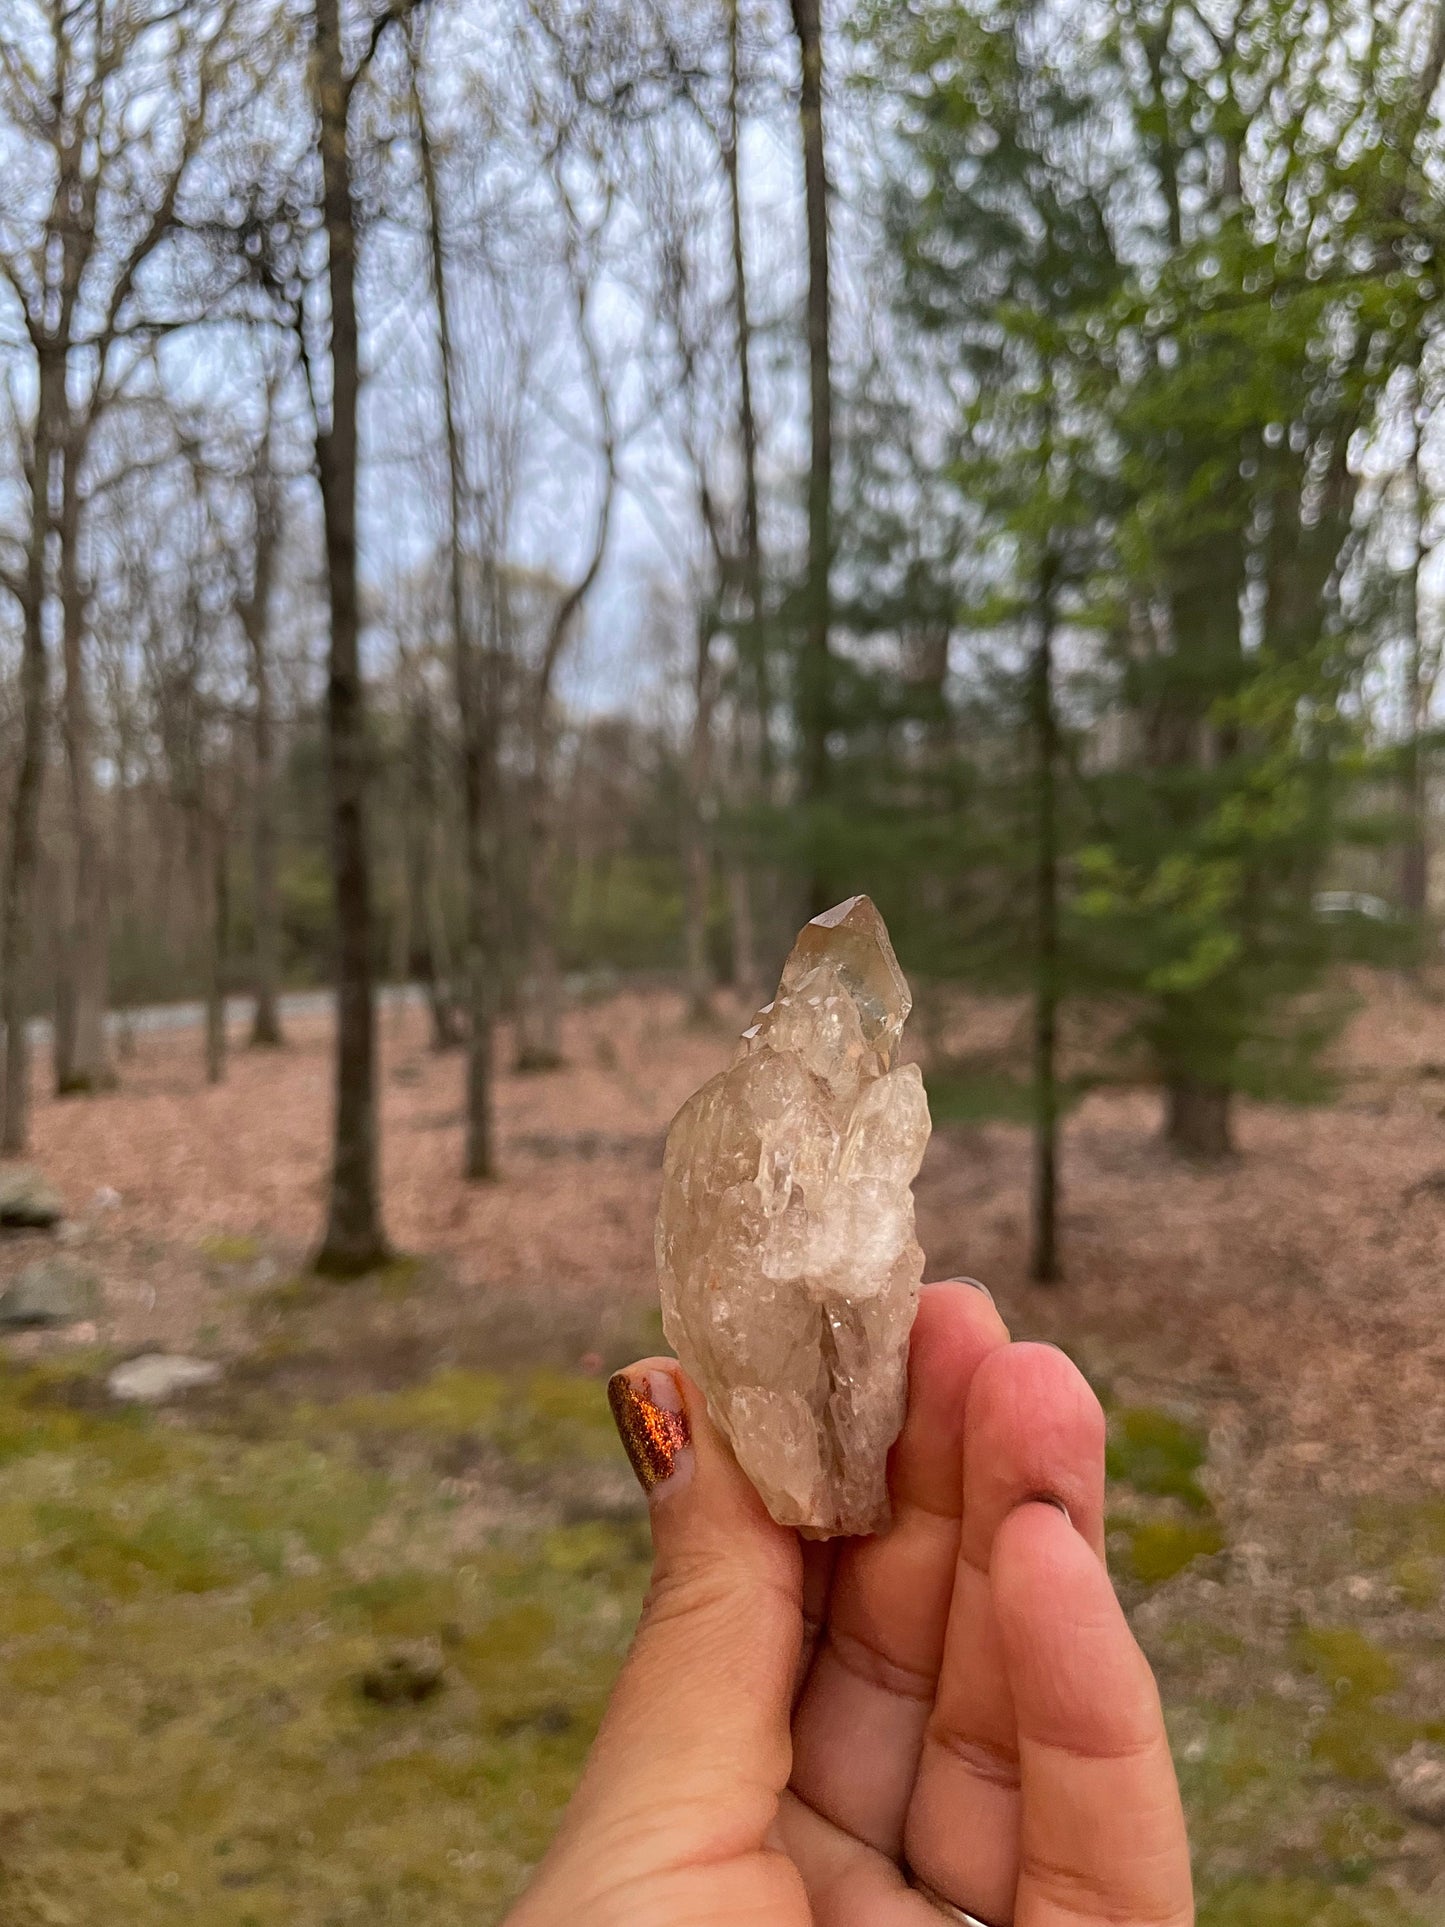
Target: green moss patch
1160,1548
1158,1454
188,1620
230,1248
537,1418
1302,1903
1353,1666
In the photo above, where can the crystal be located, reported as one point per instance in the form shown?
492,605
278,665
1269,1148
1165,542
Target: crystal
785,1248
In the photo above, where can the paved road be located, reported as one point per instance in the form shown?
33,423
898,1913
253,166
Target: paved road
295,1003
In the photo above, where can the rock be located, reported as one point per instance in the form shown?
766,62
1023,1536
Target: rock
106,1198
551,1720
156,1376
404,1678
1418,1778
27,1202
52,1291
785,1249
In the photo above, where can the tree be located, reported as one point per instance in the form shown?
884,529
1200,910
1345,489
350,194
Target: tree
477,702
254,608
1004,252
98,184
354,1240
815,669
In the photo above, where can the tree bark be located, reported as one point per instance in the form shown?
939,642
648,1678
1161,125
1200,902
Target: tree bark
1044,1252
265,890
82,1059
744,930
430,952
1421,675
697,855
815,675
478,755
215,856
1198,1121
354,1240
539,992
751,571
17,935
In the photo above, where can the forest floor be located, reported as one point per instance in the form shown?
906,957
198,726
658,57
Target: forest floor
324,1643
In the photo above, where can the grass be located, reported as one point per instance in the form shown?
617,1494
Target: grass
1160,1548
230,1248
185,1621
1158,1454
189,1610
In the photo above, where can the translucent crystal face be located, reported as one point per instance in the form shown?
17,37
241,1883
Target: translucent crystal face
788,1266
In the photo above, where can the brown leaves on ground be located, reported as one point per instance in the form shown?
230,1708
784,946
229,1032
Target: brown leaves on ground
1298,1283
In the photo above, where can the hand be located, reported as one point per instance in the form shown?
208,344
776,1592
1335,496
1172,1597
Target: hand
951,1719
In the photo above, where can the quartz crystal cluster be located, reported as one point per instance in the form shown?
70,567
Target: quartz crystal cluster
785,1247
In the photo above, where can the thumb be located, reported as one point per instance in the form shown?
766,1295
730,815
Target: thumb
694,1748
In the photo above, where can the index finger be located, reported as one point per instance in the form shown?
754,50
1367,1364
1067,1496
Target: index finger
860,1721
1102,1834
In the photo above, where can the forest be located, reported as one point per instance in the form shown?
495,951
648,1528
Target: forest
509,507
496,493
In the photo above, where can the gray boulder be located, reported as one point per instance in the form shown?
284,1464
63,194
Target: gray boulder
1418,1778
156,1376
52,1291
27,1202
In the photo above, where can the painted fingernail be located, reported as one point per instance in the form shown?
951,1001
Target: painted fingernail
647,1410
977,1286
1047,1498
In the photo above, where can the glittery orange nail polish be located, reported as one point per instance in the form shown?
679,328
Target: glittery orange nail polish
649,1416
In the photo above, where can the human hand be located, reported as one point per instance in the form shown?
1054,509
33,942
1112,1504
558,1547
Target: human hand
951,1720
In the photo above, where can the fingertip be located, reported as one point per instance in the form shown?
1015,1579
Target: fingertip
959,1306
1044,1379
1079,1679
1034,1426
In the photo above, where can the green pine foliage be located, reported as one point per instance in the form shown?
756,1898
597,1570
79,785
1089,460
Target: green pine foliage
1150,285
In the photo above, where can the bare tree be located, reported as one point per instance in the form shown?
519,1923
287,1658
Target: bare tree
354,1240
816,675
476,698
254,609
104,181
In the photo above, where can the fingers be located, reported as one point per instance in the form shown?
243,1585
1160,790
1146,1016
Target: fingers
694,1748
1102,1836
863,1711
1032,1426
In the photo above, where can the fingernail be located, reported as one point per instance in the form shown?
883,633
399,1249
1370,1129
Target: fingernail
975,1284
1047,1498
647,1409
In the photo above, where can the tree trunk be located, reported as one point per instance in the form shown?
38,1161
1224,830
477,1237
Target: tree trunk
697,856
354,1239
1044,1253
815,676
266,896
82,1060
17,934
1198,1120
430,952
266,1021
755,652
744,930
1414,772
215,854
539,993
474,710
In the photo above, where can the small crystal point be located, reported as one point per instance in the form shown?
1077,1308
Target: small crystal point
785,1247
